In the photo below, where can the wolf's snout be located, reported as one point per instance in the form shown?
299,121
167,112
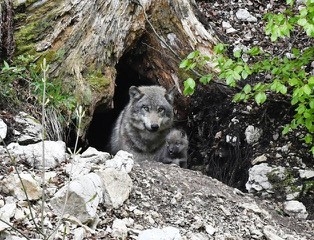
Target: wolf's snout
154,127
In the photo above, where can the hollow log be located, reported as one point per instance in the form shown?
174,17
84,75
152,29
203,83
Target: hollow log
96,45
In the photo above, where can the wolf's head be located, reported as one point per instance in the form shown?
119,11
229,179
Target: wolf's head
176,143
151,108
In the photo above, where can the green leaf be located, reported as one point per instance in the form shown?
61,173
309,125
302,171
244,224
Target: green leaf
286,129
260,98
307,90
206,78
237,54
302,22
247,89
308,138
185,63
193,54
189,86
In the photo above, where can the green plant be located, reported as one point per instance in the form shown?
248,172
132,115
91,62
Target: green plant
290,74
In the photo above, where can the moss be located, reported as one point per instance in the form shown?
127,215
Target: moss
34,26
97,80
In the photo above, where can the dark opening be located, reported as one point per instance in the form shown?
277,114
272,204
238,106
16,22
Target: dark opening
103,121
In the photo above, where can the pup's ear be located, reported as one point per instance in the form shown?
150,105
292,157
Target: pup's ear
183,133
170,94
135,93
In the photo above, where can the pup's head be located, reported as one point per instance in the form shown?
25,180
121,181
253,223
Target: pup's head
151,107
176,142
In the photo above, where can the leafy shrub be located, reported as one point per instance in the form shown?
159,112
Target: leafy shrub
289,75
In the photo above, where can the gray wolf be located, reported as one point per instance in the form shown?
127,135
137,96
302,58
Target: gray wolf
175,148
143,124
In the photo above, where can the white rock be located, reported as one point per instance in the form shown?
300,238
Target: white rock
31,128
119,229
306,174
210,229
259,159
78,167
244,15
252,134
84,195
160,234
55,152
122,161
270,234
94,156
117,186
295,208
79,233
32,186
6,213
227,26
3,130
258,180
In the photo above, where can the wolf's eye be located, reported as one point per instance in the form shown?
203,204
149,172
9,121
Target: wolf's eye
146,108
160,109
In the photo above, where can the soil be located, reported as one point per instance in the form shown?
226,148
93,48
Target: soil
214,118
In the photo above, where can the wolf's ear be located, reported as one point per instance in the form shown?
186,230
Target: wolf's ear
170,94
135,93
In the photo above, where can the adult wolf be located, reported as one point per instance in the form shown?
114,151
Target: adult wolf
143,124
175,148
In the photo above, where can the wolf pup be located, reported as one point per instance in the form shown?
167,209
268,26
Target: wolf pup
142,126
175,149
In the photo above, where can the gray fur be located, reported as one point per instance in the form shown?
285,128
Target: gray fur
144,123
175,148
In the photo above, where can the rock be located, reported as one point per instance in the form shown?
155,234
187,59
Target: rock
117,186
306,174
12,184
79,233
258,177
227,26
160,234
92,155
259,159
55,153
78,167
244,15
295,209
270,234
119,229
84,195
3,130
122,161
252,134
6,213
258,180
30,130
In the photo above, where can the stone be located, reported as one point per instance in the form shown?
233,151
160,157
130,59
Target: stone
30,130
92,155
3,130
295,208
55,153
6,213
258,180
160,234
12,184
122,161
259,159
245,15
270,234
117,186
84,195
119,229
306,174
252,134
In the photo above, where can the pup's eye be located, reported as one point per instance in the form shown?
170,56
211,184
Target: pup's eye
146,108
160,109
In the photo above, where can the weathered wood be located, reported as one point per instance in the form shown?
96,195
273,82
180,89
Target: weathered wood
6,30
84,41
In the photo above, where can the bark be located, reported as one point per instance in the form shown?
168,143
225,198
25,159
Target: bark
86,42
6,30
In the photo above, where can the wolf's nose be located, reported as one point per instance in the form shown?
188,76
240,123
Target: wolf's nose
154,127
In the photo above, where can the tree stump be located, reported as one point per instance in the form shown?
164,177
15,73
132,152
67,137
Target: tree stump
100,48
